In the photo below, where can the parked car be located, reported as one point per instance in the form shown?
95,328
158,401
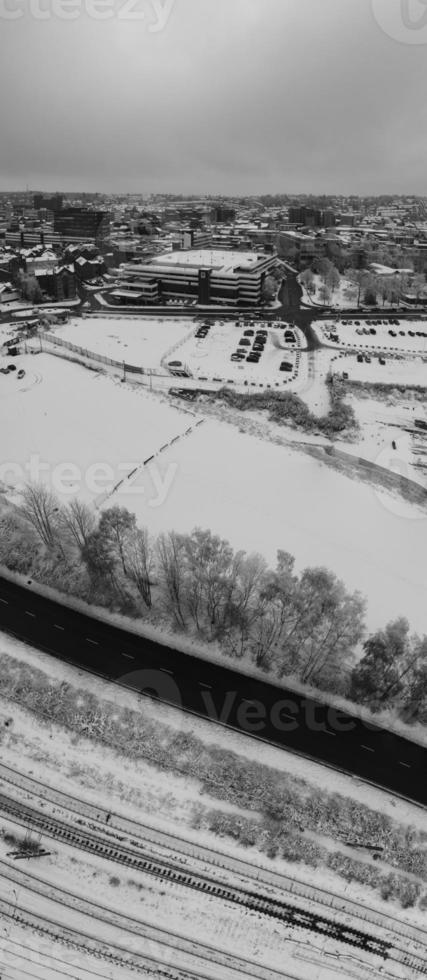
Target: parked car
249,333
21,373
367,359
392,333
360,358
381,360
373,331
286,366
244,342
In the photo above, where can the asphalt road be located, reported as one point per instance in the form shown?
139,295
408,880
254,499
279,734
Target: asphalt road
215,692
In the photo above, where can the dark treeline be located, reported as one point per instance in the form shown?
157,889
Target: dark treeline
288,408
306,626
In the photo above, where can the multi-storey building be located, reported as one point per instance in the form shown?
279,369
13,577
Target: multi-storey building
208,276
82,225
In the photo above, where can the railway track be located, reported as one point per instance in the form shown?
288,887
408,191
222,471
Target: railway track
121,828
184,959
282,911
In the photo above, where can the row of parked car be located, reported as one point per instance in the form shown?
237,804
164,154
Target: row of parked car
256,340
367,359
203,330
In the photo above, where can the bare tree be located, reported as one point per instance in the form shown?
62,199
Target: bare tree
139,556
40,507
170,550
115,525
79,519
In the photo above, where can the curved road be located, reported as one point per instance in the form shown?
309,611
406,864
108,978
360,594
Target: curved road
218,693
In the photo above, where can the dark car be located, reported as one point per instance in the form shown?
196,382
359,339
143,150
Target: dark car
381,360
249,333
21,373
360,358
367,359
286,366
244,342
372,330
392,333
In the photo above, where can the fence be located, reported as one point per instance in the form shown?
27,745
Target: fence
100,358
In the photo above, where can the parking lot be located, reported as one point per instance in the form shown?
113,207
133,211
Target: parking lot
385,334
242,352
380,368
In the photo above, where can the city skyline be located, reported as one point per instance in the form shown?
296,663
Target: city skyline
218,99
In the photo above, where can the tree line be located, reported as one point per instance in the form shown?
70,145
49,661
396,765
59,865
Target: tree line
303,625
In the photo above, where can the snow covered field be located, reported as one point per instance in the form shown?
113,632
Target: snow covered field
263,497
86,430
140,341
89,431
382,341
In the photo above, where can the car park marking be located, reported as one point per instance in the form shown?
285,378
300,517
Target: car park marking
367,747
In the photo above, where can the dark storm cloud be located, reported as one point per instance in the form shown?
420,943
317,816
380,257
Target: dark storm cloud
228,96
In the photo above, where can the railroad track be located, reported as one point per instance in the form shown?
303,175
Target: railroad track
282,911
121,828
178,953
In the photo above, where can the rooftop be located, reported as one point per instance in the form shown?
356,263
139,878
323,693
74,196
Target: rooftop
215,259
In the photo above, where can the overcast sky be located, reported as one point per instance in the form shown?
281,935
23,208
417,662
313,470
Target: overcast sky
231,96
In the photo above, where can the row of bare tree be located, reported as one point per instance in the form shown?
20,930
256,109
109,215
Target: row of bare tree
306,625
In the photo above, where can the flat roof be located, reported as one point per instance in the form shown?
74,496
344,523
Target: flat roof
207,258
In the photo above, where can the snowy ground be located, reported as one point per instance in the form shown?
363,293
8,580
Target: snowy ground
144,342
381,341
345,296
397,370
86,430
210,357
263,497
140,341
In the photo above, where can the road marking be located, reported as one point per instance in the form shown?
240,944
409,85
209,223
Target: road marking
202,684
94,642
128,656
327,732
367,747
4,601
165,671
28,613
406,764
56,626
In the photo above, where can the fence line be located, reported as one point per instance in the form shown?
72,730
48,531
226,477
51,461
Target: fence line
100,358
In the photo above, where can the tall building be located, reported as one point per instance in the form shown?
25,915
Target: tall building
207,276
82,225
52,203
221,214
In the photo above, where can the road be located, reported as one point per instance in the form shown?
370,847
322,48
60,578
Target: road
221,694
